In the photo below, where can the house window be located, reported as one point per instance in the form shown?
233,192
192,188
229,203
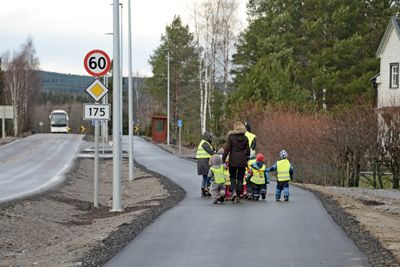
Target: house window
394,75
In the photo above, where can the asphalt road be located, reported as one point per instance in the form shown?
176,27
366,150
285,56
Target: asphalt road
263,233
35,163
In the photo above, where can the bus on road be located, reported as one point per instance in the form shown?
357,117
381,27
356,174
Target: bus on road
59,121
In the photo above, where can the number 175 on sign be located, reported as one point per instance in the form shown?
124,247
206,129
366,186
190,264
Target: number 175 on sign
96,112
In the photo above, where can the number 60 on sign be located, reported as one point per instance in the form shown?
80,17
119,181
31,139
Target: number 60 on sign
96,112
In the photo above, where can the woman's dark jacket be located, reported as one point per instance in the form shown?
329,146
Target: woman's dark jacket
237,147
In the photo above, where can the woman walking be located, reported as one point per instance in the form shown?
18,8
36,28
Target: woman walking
238,150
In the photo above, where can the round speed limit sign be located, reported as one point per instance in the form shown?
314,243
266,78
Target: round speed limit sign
97,63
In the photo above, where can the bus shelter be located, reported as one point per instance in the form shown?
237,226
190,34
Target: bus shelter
159,128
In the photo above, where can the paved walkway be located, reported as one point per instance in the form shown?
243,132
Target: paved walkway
263,233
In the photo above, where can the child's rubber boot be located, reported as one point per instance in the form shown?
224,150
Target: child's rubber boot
286,198
256,197
222,199
227,192
263,194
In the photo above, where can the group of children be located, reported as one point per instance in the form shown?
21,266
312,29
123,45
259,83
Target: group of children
255,180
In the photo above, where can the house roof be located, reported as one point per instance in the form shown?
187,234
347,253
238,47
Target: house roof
393,23
373,78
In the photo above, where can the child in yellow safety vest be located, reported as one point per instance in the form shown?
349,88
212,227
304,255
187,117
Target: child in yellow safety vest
217,176
246,181
258,178
284,173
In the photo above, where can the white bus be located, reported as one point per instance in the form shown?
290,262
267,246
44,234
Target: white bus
59,121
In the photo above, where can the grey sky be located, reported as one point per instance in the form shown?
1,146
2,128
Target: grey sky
63,31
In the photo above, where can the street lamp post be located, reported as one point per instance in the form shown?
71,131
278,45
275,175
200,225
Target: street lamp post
130,96
168,137
116,109
121,101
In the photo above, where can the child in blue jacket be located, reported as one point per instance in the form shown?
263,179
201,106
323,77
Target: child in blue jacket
284,173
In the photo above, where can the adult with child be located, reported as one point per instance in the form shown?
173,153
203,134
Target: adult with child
238,150
203,155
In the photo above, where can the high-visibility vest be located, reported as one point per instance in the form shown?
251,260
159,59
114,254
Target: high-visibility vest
251,137
283,170
250,162
219,174
258,175
227,178
248,168
201,152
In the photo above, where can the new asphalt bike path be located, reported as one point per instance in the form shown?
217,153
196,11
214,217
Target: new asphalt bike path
251,233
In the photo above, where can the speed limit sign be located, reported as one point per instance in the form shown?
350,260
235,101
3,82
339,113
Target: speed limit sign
97,63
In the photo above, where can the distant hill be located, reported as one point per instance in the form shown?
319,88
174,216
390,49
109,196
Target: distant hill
70,83
59,82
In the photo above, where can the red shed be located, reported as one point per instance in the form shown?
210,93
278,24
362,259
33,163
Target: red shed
159,128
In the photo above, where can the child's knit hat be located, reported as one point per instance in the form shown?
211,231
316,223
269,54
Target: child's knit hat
216,160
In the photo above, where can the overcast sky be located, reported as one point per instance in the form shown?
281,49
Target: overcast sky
63,31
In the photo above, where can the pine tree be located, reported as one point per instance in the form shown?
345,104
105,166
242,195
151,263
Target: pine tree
178,41
324,45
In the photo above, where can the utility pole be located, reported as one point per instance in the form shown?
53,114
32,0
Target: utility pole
130,96
121,100
168,137
116,111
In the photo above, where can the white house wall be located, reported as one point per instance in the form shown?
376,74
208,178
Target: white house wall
391,54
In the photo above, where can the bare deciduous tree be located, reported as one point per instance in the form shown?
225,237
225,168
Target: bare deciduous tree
215,30
354,138
390,140
21,83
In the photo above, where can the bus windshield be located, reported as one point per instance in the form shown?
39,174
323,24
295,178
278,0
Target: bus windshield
58,119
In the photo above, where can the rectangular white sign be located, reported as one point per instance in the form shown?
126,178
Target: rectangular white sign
6,112
96,112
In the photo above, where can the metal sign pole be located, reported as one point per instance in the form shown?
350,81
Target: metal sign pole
180,140
3,125
96,165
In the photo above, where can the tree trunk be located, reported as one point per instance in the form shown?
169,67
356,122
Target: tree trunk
374,184
357,176
396,178
202,126
205,94
378,170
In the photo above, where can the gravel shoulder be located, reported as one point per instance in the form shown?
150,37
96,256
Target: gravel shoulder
61,227
369,217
